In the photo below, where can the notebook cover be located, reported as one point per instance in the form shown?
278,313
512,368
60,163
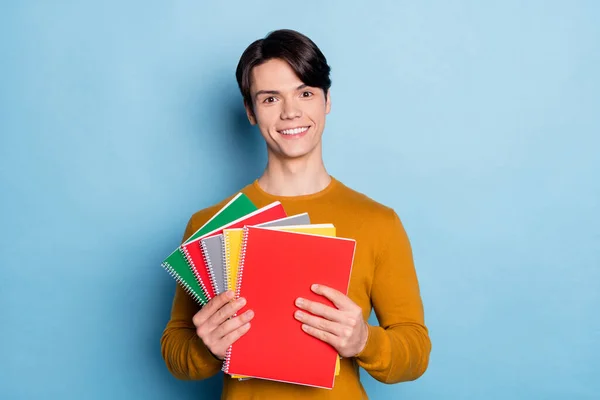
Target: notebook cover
285,264
317,229
193,251
212,250
229,281
231,246
297,219
232,240
176,263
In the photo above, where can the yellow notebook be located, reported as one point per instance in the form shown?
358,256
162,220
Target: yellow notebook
233,243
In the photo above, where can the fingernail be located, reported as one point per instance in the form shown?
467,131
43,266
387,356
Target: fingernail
299,314
229,294
315,287
248,315
241,301
299,302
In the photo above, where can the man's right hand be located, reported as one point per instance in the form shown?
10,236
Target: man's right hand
215,326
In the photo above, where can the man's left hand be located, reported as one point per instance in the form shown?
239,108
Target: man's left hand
343,327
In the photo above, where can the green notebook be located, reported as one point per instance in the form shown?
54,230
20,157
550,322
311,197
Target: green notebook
176,263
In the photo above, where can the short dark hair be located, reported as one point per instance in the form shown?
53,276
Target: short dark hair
300,52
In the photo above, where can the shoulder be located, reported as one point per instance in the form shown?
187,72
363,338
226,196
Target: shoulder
377,226
362,204
380,225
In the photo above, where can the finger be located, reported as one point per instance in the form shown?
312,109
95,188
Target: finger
321,335
232,337
320,309
213,305
339,299
232,324
226,312
322,324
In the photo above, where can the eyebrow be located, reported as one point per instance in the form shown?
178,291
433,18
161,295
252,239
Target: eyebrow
276,91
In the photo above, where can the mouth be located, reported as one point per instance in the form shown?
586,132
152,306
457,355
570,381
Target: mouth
294,132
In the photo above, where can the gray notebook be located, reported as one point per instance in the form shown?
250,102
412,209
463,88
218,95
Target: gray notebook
213,250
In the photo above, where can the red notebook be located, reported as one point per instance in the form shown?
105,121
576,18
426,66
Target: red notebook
277,267
193,251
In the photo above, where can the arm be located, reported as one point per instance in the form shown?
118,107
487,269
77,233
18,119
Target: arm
184,353
398,349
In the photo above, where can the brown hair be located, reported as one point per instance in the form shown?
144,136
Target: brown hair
301,53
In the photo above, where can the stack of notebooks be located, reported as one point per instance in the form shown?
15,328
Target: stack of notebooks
269,258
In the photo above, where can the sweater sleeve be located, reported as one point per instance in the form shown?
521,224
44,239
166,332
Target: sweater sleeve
184,353
398,349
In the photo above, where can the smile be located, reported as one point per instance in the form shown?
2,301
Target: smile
294,131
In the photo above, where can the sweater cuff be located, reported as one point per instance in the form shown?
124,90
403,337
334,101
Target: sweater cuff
371,353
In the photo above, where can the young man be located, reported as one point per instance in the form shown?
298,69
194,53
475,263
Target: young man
284,81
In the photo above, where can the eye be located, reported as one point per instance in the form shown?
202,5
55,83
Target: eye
270,99
306,94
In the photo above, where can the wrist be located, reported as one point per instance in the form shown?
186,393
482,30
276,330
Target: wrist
364,338
209,351
216,357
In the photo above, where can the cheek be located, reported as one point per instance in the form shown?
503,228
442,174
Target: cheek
316,111
267,117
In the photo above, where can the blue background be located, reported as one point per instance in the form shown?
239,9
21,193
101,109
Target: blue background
477,121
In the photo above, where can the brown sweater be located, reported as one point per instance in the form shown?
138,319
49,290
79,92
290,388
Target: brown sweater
383,277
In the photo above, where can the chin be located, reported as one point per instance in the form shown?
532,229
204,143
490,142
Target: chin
295,153
293,156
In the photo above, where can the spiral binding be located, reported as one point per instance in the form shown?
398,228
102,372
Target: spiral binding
187,288
209,266
238,286
237,290
226,254
190,262
227,360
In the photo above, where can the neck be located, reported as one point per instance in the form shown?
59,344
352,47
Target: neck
294,177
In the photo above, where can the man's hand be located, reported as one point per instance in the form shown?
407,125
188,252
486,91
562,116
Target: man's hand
214,326
344,328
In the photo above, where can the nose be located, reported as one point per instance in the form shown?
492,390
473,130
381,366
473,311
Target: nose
290,110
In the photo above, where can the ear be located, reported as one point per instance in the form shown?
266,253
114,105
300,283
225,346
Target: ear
250,114
328,102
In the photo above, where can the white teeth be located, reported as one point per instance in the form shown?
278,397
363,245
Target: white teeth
294,131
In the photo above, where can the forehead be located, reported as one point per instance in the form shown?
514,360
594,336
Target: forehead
274,74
